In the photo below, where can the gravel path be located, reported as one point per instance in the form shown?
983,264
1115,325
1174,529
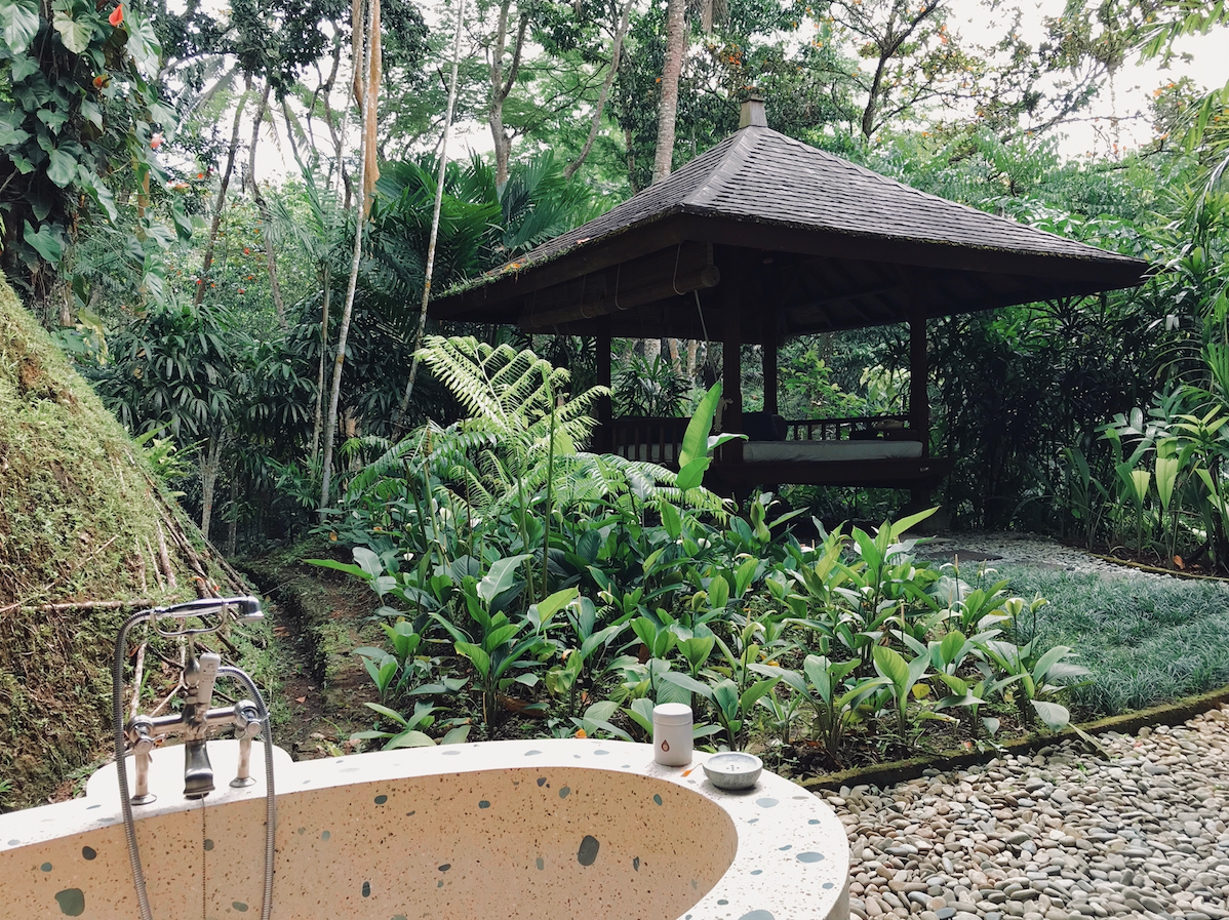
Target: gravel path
999,549
1059,835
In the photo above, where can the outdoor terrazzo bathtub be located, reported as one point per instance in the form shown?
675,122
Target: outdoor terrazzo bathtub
518,829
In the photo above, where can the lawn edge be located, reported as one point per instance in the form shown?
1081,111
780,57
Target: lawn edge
897,771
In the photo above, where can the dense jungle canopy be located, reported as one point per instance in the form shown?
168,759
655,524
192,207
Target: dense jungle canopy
222,215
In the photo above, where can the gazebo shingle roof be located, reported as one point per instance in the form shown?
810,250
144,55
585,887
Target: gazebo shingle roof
761,175
838,245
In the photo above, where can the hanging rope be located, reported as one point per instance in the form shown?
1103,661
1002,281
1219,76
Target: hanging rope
435,222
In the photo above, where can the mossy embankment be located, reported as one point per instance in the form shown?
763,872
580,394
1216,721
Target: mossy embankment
86,537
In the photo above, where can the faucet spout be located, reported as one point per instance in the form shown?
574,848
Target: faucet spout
199,676
198,772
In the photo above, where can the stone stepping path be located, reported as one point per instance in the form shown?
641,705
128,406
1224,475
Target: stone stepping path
1058,835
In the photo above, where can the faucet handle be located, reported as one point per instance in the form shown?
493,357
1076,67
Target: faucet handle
199,676
249,725
141,736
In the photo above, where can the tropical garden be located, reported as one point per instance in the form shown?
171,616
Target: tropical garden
230,220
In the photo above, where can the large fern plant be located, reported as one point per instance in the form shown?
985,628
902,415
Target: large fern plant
516,456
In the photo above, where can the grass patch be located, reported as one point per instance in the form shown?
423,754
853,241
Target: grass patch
1145,639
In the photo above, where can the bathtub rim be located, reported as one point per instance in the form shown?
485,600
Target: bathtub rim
764,880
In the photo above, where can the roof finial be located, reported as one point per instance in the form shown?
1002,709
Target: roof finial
753,112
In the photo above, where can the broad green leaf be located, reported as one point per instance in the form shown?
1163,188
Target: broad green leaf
687,682
668,691
19,20
755,691
641,712
670,520
791,678
412,738
691,474
906,523
697,649
1166,476
369,562
951,645
74,33
456,735
725,695
12,134
500,577
1052,714
718,592
695,439
388,713
142,41
550,606
891,665
481,660
744,575
45,242
601,712
339,566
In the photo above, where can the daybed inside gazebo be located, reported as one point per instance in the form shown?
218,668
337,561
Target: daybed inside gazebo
763,238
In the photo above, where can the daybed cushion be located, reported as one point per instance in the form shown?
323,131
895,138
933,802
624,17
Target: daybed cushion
819,451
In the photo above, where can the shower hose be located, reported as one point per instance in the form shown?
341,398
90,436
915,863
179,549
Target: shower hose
130,831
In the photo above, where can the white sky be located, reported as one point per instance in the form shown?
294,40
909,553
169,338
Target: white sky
1133,88
1133,84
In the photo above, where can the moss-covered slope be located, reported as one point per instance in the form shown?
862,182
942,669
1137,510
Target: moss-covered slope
84,534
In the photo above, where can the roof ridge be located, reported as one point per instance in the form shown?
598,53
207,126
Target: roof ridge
745,140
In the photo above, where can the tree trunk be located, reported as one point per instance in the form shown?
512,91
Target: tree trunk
232,526
220,203
367,88
595,124
360,210
501,86
667,112
262,207
318,421
210,462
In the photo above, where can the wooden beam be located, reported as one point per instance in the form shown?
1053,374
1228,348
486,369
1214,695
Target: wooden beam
1108,272
731,296
517,279
602,439
919,396
768,345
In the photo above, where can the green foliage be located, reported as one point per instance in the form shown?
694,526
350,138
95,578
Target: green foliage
78,118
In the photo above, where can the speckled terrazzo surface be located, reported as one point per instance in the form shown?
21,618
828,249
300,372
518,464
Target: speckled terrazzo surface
545,829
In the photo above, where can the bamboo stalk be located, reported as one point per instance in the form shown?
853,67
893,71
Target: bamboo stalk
165,557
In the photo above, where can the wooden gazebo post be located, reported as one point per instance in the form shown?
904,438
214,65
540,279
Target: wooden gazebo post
604,441
919,397
768,353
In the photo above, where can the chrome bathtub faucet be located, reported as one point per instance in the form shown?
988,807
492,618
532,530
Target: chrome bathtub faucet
194,723
200,675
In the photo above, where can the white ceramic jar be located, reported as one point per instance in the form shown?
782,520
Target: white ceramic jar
672,734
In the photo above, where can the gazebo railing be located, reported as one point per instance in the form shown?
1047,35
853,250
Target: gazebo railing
658,440
844,428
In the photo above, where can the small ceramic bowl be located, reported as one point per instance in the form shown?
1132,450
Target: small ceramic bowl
733,770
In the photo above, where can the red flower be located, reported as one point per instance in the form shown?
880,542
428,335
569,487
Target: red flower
247,251
156,141
117,16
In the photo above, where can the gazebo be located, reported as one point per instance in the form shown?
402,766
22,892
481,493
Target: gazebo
762,238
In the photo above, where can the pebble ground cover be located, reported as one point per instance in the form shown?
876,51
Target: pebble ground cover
1059,835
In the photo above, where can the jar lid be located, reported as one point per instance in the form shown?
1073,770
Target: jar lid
672,714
